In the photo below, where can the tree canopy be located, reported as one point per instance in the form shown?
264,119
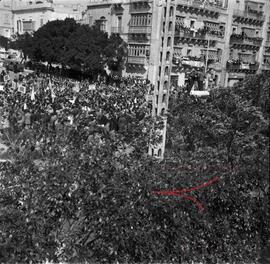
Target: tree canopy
79,47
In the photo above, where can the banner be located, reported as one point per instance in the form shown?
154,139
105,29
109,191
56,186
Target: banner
92,87
22,89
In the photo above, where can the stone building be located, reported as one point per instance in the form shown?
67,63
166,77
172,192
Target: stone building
224,39
20,16
6,22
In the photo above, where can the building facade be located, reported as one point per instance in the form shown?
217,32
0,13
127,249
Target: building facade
20,16
6,21
167,39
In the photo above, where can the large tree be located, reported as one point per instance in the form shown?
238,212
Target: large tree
80,47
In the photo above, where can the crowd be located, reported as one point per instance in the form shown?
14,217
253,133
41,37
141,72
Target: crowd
50,103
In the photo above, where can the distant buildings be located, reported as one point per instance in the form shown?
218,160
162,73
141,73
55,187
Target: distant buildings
6,21
20,16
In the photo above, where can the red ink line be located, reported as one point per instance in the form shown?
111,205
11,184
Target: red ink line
180,193
173,192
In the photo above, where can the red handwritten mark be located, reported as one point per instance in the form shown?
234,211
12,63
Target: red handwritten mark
181,193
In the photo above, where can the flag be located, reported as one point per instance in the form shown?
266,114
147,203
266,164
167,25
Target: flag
32,94
53,95
92,87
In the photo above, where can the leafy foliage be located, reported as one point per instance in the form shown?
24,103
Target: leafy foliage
80,47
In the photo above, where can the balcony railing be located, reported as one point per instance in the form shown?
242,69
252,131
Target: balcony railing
140,30
201,4
140,7
118,30
137,59
137,38
238,66
249,17
239,39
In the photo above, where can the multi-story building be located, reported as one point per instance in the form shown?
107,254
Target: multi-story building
245,47
224,39
20,16
6,24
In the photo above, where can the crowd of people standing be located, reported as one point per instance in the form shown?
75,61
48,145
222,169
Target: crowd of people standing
49,103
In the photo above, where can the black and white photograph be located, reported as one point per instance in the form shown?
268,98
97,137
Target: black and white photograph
134,131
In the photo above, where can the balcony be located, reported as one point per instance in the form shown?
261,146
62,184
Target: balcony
118,30
140,30
137,60
138,38
246,17
236,66
190,36
103,2
200,8
19,7
140,7
239,41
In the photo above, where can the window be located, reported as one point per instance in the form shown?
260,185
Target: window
268,36
170,26
102,22
171,11
163,98
234,30
157,99
169,41
158,85
192,24
165,85
159,152
168,56
166,71
28,26
189,52
119,22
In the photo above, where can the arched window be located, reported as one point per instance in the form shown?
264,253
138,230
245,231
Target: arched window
163,111
170,26
163,98
167,56
159,152
171,11
169,41
164,12
165,85
102,23
166,70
